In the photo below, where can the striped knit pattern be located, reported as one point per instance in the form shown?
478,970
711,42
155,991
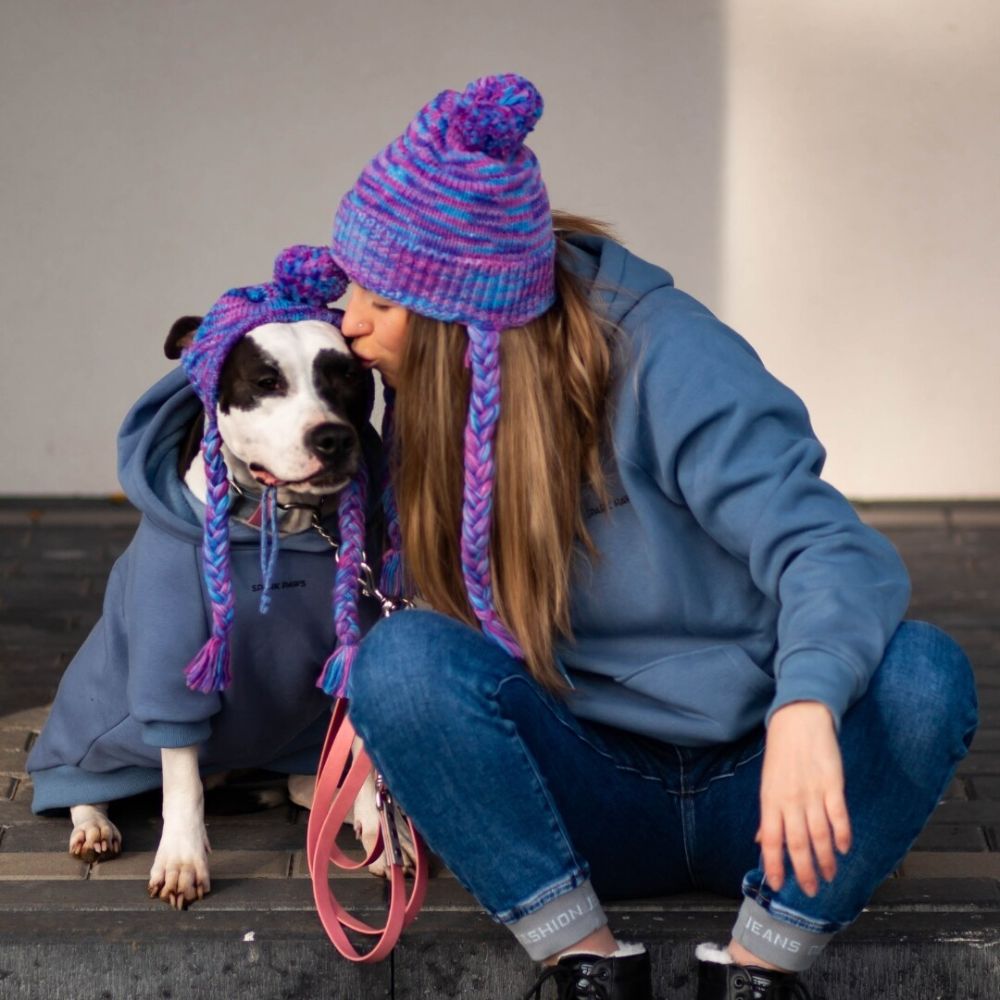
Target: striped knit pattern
351,516
452,219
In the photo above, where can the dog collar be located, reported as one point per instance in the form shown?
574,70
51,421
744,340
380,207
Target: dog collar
248,506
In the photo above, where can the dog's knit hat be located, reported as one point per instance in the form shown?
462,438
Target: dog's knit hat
306,280
452,220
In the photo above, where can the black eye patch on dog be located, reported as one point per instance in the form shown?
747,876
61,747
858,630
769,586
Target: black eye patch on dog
344,385
249,375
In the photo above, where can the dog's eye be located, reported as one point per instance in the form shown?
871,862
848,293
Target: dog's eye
267,382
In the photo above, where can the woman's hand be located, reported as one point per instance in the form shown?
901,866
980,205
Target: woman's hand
802,803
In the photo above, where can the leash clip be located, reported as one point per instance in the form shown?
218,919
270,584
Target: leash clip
387,820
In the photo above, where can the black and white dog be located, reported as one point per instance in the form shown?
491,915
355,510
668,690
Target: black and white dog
293,402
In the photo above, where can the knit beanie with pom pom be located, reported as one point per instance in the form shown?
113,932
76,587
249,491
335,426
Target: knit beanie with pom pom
452,220
306,280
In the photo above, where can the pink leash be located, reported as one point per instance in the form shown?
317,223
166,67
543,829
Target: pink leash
338,782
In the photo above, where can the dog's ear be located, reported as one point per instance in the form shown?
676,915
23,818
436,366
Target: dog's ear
180,336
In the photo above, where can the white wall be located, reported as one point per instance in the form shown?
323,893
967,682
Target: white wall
824,177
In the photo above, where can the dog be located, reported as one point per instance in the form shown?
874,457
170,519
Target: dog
293,404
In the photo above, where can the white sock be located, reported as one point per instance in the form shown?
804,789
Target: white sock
713,953
624,950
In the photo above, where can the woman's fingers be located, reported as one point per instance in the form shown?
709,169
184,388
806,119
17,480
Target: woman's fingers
840,820
771,837
800,851
811,837
821,838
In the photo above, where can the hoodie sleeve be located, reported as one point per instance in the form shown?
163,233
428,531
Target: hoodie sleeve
167,625
725,438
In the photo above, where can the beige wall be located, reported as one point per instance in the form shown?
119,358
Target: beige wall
822,176
861,219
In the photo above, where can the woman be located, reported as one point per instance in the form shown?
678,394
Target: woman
659,640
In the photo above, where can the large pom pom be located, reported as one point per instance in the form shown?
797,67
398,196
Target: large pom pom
309,275
495,114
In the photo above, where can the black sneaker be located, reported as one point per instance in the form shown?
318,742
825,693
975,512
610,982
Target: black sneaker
591,977
717,981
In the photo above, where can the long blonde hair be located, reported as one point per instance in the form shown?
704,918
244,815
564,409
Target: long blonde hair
555,377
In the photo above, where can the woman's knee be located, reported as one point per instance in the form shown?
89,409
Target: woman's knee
925,684
416,665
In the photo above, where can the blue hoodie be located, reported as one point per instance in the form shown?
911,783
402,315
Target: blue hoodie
124,695
731,579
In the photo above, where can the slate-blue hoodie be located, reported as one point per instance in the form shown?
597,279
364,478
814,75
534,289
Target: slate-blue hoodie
124,696
731,579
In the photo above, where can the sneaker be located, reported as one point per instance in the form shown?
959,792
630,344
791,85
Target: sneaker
591,977
717,981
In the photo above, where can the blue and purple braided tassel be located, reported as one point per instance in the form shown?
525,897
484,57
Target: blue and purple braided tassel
351,518
209,670
483,357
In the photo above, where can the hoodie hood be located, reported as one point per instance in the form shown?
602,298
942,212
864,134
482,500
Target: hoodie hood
149,444
618,279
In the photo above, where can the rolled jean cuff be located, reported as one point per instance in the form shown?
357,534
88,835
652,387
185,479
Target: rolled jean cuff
783,938
560,923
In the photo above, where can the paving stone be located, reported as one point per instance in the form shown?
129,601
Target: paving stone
936,893
902,516
954,864
956,791
28,865
951,837
984,787
223,864
975,515
987,739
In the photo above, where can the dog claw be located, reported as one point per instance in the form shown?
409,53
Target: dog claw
94,836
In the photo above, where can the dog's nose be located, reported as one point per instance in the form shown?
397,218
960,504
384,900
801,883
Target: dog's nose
330,441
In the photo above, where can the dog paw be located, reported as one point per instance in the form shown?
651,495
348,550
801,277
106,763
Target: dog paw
301,788
179,874
94,836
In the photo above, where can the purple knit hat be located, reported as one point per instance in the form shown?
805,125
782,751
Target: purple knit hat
306,280
452,220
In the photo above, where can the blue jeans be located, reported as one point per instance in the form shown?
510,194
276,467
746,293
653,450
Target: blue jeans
540,814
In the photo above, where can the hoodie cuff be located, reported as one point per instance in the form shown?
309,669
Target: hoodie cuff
170,735
812,675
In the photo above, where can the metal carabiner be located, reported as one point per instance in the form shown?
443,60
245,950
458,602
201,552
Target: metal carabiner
387,821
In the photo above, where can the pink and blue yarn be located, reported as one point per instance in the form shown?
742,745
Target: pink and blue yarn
452,220
306,279
350,555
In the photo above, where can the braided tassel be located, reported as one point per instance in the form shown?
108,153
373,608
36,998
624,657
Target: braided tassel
483,357
391,577
350,555
209,670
